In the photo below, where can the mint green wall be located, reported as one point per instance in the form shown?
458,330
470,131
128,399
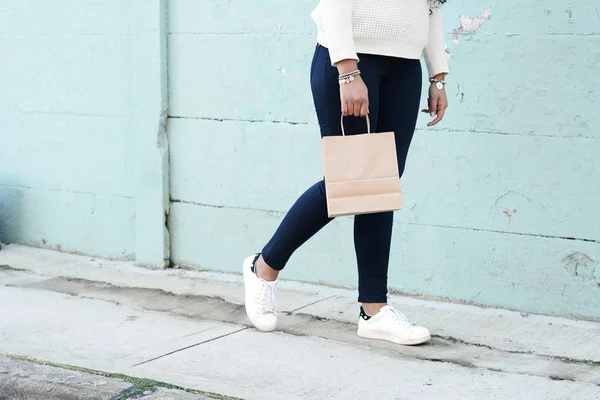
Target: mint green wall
82,113
501,200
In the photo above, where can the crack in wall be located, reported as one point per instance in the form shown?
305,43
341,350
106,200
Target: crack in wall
529,134
403,222
242,120
277,212
429,130
66,191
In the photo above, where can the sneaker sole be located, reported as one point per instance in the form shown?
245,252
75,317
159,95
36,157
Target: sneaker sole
391,338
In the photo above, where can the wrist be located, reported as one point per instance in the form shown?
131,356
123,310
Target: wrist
349,78
439,77
437,83
346,66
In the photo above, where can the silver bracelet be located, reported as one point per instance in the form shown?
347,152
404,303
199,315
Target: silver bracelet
439,83
347,78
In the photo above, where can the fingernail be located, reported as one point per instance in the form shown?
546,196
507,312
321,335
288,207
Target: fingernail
432,115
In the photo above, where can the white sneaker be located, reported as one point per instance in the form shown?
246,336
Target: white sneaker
391,325
260,298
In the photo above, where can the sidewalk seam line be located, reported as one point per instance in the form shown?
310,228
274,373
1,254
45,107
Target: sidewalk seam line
312,304
190,346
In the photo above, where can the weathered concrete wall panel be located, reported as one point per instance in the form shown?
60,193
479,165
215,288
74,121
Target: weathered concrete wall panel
75,222
527,273
83,148
500,199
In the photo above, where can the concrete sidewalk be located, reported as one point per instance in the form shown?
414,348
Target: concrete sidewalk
189,329
29,380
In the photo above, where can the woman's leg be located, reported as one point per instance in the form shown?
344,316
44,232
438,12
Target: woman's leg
399,98
309,214
372,242
306,217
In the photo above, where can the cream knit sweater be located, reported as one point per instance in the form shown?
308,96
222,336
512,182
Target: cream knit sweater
398,28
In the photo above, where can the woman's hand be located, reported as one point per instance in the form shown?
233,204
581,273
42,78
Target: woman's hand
354,96
438,102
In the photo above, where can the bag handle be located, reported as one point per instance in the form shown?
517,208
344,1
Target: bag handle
368,124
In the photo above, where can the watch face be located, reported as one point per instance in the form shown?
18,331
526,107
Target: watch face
439,85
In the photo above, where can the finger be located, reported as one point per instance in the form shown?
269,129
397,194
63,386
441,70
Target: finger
426,110
357,107
349,109
364,109
439,117
344,108
433,107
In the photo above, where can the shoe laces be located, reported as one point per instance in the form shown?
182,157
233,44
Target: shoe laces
399,317
266,297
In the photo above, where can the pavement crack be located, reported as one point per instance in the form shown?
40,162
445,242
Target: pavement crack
564,359
310,304
194,333
462,363
456,340
560,378
191,346
300,323
466,364
5,267
124,392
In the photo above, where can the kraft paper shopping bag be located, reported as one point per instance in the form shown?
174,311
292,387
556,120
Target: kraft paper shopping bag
361,173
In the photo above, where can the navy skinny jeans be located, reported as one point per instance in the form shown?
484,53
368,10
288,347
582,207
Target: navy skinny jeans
394,86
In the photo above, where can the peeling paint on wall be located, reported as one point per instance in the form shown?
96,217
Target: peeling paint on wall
510,213
581,265
447,52
470,26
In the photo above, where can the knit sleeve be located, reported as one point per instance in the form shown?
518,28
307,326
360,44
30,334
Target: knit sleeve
435,51
337,23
